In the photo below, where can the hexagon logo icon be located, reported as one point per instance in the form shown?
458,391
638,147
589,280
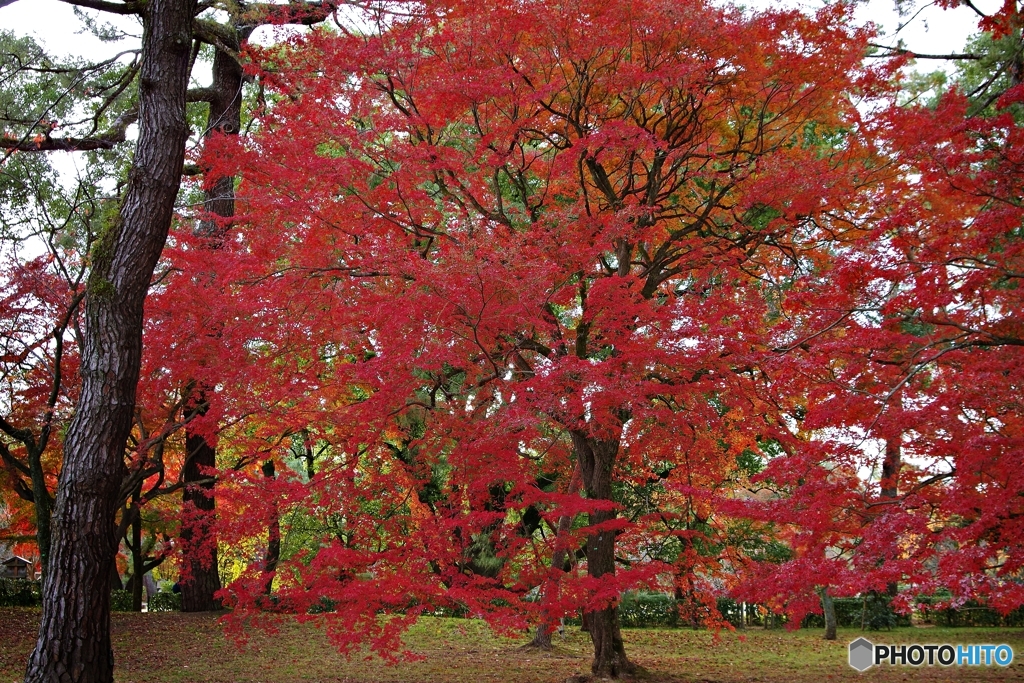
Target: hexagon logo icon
862,654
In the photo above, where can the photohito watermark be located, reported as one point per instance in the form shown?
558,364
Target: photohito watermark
864,654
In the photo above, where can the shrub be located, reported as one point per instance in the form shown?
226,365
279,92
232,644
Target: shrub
120,601
969,614
873,612
641,609
324,606
165,602
20,593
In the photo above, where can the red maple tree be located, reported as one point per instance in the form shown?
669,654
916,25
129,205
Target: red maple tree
917,390
479,249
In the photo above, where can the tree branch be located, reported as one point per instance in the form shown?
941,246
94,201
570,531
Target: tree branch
130,7
48,144
303,13
200,95
44,143
919,55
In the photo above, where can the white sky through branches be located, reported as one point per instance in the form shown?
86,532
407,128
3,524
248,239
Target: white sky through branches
933,30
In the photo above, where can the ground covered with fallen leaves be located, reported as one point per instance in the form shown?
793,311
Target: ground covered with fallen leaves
171,647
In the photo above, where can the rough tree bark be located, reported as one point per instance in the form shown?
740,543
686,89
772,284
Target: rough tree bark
74,633
596,460
202,579
891,466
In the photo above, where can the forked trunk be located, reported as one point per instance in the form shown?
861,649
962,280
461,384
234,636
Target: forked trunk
74,631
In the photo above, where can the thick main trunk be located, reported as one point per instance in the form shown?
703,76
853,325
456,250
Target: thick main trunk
74,631
596,461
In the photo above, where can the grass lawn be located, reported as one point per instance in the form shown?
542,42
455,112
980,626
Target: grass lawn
170,647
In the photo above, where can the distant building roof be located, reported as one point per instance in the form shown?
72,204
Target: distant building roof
17,560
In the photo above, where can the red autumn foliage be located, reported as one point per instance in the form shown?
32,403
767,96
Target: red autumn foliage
478,245
660,245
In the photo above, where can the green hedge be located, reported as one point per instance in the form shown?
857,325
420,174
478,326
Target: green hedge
648,609
120,601
970,614
643,609
640,609
873,612
165,602
20,593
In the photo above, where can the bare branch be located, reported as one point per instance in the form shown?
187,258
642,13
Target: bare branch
921,55
48,144
207,94
130,7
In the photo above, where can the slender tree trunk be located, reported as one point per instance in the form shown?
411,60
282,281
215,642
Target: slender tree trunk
114,579
891,466
542,639
308,455
74,631
43,505
138,561
273,554
828,607
596,460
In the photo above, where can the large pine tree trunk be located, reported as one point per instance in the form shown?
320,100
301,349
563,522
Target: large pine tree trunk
74,632
202,576
596,460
